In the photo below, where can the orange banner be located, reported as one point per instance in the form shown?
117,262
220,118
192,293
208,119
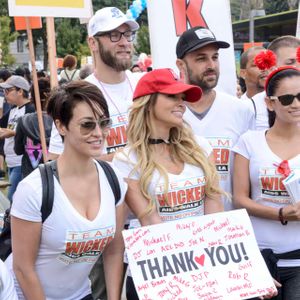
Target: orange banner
35,23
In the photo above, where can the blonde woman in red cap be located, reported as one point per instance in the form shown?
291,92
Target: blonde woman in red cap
164,163
263,160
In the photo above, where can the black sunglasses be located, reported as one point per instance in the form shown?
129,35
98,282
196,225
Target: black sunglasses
115,36
87,127
287,99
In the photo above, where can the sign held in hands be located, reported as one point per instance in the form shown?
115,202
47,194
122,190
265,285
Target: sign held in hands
210,257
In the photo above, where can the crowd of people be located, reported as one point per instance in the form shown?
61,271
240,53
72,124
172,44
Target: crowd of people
156,131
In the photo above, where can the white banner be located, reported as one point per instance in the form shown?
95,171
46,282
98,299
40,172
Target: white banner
50,8
210,257
298,23
168,19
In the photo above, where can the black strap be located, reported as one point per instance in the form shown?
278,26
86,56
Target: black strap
47,188
70,79
112,179
49,169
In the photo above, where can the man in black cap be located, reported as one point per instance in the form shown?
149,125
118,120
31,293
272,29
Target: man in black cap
16,91
220,117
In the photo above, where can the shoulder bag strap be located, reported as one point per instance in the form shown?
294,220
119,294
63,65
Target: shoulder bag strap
112,179
48,190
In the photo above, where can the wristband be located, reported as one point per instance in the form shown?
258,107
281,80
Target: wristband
280,216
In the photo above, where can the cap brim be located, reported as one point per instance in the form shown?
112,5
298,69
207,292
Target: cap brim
219,44
193,93
5,85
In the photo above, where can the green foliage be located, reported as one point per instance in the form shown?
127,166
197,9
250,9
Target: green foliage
6,37
143,41
3,8
68,38
273,7
235,7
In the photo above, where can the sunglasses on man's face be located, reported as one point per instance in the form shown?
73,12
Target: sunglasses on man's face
87,127
287,99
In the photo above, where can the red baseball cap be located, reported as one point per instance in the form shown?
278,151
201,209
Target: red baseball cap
165,81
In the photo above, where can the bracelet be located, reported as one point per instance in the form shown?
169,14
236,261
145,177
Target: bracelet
280,216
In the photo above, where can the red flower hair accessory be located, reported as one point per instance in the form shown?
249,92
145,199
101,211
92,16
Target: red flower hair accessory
265,60
298,54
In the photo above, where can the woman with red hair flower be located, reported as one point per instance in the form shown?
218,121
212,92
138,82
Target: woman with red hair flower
263,160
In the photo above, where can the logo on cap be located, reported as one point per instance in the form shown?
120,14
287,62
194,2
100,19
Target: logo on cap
115,13
203,33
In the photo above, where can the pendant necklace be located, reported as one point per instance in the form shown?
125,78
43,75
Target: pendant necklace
108,97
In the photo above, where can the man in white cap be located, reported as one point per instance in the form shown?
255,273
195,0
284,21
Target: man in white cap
111,35
16,90
110,38
217,116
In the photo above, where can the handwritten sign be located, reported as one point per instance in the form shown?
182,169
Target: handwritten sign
51,8
209,257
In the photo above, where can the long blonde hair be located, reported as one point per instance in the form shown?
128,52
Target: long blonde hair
183,147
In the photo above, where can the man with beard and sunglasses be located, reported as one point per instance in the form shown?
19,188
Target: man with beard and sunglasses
219,117
110,38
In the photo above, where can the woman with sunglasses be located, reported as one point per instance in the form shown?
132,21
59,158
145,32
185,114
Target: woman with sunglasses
163,160
263,160
52,260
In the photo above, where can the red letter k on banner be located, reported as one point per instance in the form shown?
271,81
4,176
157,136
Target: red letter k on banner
187,13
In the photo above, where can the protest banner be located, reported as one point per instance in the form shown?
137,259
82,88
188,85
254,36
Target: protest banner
35,23
169,19
50,8
209,257
298,22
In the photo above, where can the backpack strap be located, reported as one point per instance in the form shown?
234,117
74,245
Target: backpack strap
48,189
73,75
112,179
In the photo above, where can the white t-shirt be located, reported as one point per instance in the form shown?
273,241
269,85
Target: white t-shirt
226,120
11,158
7,288
119,99
267,189
70,244
186,191
262,118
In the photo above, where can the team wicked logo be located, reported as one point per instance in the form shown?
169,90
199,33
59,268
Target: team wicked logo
188,261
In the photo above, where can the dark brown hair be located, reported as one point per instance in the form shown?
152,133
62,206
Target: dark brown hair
64,99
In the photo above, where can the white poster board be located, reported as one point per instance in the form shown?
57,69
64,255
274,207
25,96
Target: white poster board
298,22
50,8
210,257
169,18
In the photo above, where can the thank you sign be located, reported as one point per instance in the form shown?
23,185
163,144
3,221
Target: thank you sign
209,257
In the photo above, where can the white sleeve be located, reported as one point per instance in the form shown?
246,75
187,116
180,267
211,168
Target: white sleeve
7,287
241,147
27,199
125,165
56,145
204,144
249,118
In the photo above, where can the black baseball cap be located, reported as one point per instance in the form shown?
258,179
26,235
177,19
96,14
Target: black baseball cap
195,38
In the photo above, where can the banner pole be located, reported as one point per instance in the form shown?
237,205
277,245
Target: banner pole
36,90
51,51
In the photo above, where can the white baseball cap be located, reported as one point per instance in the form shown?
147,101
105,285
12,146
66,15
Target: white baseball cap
16,81
107,19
